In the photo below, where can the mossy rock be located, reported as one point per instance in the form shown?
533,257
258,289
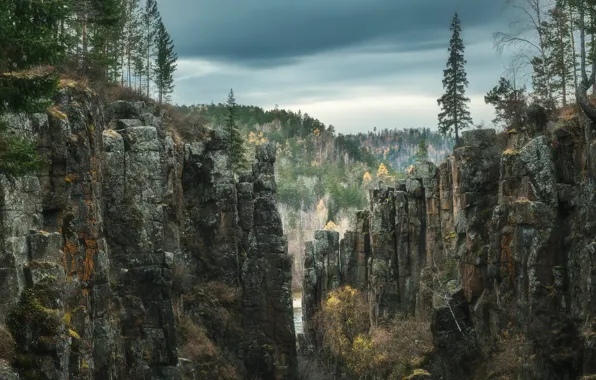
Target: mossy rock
37,316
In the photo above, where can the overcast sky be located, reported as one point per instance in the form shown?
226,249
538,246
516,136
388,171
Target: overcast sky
355,64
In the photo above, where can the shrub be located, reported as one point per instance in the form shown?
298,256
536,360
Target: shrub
508,357
206,357
392,351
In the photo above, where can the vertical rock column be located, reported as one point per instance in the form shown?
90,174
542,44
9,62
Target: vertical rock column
355,252
322,272
137,171
211,231
267,279
475,174
384,263
525,251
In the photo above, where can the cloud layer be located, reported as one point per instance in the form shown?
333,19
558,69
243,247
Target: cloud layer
355,64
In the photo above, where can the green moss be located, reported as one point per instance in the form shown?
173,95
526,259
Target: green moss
32,314
417,372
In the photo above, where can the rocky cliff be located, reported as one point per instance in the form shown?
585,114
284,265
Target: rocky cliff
133,255
495,248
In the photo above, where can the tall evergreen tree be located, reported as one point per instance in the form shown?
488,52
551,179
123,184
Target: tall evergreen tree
24,45
559,66
131,38
165,62
30,37
455,114
236,148
150,18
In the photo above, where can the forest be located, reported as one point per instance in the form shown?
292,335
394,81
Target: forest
323,176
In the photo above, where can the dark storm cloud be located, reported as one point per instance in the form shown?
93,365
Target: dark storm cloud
269,33
351,63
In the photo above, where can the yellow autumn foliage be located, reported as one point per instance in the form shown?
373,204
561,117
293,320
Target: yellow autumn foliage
392,351
256,138
366,177
382,171
331,226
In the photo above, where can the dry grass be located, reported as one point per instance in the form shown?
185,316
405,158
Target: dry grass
506,361
206,357
179,126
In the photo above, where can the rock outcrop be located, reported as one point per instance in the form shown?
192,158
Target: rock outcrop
124,236
495,248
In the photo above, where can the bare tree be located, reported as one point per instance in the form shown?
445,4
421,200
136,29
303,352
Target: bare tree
526,33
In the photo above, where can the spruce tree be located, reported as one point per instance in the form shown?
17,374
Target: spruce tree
30,40
236,147
165,62
25,45
454,109
422,153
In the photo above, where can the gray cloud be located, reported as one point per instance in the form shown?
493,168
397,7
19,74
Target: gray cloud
268,32
351,63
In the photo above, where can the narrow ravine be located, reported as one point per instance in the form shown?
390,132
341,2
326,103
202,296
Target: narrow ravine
297,305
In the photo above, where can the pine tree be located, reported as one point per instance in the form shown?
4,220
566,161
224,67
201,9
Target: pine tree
165,63
97,27
510,104
559,67
236,148
132,36
30,37
454,115
24,45
149,18
422,153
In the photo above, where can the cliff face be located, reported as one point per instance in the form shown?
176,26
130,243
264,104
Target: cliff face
498,241
130,251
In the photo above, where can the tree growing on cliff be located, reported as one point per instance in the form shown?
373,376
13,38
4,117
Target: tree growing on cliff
237,150
149,18
165,63
454,113
25,84
561,47
422,153
510,104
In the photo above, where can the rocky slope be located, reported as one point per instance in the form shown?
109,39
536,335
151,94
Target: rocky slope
127,235
498,239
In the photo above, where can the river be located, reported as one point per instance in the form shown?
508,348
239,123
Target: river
297,304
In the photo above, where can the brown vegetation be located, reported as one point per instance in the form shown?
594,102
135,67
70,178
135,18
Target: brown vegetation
206,357
398,349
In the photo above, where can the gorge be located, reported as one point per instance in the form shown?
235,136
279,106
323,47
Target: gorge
496,241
